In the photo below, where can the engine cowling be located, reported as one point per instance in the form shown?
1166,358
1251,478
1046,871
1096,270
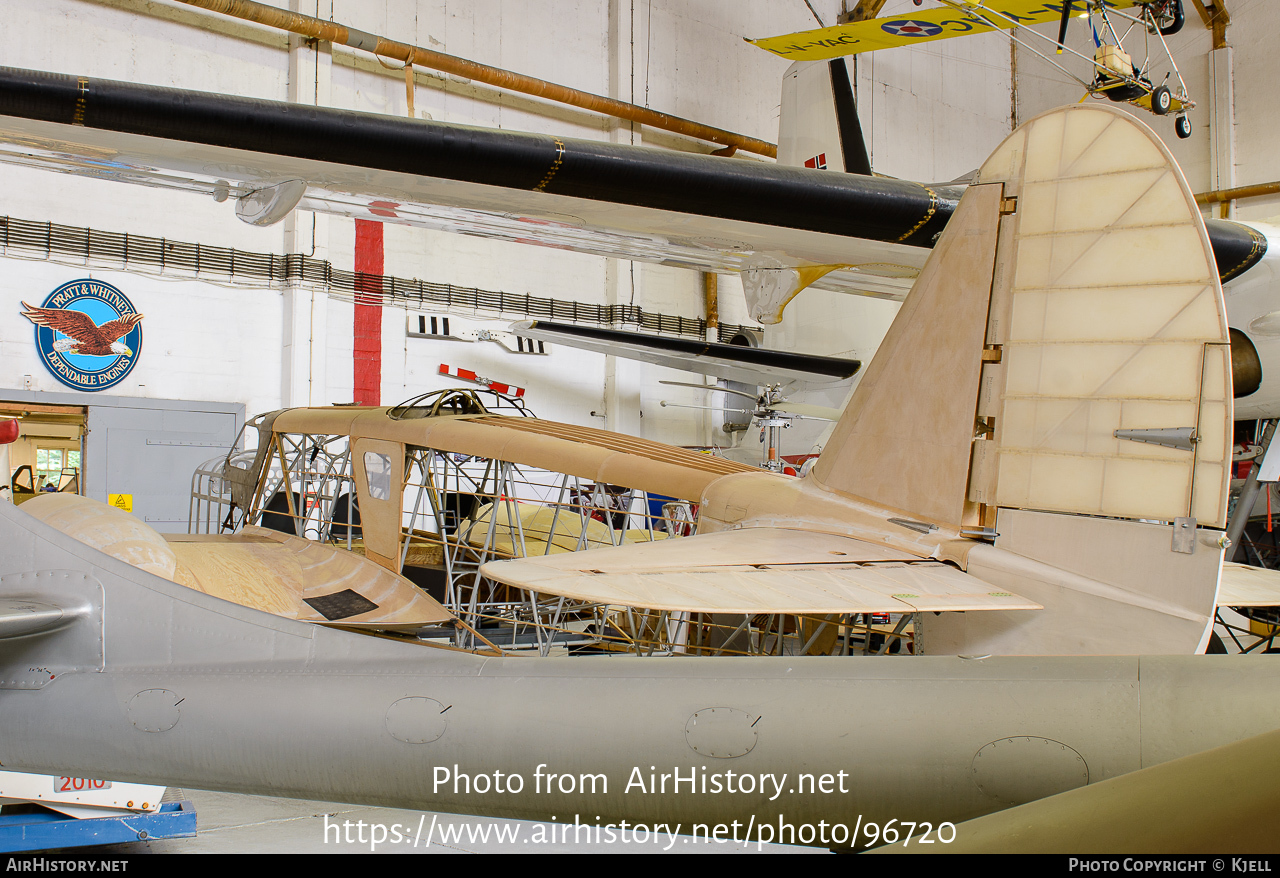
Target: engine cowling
1253,312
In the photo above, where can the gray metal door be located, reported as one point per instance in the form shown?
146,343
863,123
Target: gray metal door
145,456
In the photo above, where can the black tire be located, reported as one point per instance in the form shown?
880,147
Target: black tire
1161,100
1215,646
1170,18
1182,125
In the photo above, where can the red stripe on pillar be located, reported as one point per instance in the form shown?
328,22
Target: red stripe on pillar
367,340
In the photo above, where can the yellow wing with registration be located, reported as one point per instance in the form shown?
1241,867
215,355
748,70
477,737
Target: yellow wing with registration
956,19
758,570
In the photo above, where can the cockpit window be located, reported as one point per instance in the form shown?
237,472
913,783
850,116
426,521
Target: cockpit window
377,469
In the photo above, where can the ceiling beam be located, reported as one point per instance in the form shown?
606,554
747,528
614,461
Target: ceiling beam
1216,18
864,10
1204,13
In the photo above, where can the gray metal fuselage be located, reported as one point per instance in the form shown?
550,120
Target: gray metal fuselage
150,681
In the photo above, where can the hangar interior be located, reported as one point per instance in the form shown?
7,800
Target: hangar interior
217,332
928,114
242,319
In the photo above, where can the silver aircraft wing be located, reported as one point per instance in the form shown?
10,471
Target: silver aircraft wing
781,228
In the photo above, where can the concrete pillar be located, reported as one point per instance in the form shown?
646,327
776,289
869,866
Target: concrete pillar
622,375
1222,125
621,388
304,379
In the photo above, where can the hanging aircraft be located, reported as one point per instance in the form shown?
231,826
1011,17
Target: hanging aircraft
766,377
771,410
1115,76
1079,463
781,229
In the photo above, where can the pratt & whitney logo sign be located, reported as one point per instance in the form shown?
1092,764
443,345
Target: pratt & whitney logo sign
88,333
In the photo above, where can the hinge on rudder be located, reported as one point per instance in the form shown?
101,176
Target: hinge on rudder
1184,535
982,472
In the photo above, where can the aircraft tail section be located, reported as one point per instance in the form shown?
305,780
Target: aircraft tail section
1050,412
1068,334
818,125
905,438
1059,376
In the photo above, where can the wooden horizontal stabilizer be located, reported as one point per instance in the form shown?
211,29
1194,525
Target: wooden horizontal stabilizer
1245,586
758,570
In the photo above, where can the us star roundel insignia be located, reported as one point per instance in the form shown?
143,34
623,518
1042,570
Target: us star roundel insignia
88,333
905,27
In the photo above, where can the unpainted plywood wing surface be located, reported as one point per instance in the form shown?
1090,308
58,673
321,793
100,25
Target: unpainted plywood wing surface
258,568
1244,586
301,579
585,452
758,570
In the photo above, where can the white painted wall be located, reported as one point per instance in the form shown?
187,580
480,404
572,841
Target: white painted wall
932,113
201,341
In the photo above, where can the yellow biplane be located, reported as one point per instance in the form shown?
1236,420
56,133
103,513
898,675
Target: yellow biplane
1115,75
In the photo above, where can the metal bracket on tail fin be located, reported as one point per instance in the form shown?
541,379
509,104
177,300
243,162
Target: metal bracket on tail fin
1182,438
1184,536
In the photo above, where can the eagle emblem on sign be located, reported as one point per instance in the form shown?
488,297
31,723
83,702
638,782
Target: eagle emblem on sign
88,334
80,335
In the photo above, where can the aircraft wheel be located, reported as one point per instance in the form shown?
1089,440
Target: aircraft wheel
1170,18
1182,125
1216,646
1161,100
